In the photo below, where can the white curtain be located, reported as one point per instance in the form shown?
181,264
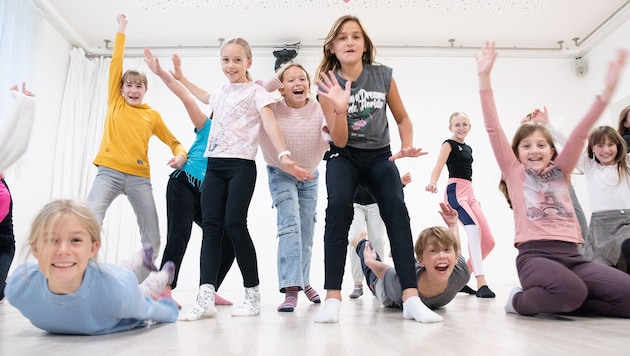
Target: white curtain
20,25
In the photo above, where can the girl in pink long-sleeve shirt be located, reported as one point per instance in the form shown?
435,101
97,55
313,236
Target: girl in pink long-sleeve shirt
554,276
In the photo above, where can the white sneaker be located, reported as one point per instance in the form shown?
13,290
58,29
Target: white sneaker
204,306
251,304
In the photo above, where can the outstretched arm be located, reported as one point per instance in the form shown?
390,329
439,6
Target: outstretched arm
177,73
568,158
272,129
439,165
197,117
449,215
405,127
15,134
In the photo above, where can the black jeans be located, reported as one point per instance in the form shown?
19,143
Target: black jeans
226,193
345,170
183,207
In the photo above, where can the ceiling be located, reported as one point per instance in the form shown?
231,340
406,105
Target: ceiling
556,28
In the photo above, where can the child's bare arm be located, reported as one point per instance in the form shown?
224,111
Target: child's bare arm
369,257
177,73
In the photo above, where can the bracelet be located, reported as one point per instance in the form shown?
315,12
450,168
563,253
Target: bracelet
283,153
432,183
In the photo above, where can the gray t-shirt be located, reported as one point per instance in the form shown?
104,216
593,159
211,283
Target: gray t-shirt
389,292
367,107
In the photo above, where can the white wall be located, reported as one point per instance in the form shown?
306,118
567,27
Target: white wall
432,88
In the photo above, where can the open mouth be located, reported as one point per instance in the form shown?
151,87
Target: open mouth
441,267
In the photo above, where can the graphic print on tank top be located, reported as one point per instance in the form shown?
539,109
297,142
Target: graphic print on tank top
360,112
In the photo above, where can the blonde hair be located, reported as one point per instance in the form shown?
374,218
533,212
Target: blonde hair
599,135
330,61
55,211
437,236
286,66
455,114
523,132
134,77
246,47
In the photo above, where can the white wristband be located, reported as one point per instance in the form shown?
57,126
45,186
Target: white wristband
283,153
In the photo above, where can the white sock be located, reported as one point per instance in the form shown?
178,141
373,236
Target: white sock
474,246
509,305
204,306
413,308
329,311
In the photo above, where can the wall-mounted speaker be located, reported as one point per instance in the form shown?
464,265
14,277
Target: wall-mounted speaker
579,67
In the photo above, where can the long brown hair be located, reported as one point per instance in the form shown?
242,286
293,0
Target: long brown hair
622,129
523,132
329,61
599,135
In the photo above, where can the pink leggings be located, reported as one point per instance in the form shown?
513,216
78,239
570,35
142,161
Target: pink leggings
461,196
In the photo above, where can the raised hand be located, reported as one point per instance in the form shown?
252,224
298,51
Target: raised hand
177,68
406,178
152,62
486,60
329,88
449,215
615,68
24,90
541,117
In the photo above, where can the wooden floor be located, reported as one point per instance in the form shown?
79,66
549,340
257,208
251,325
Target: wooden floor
471,326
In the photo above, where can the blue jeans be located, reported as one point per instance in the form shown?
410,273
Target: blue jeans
296,205
109,184
226,193
345,170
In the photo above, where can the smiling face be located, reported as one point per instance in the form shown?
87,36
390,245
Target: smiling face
295,86
459,126
235,62
133,88
63,246
438,261
605,152
436,250
535,151
349,43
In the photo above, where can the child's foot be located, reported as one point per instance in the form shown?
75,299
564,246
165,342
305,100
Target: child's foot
204,306
290,300
485,292
155,283
358,238
509,305
219,300
356,292
311,294
466,289
147,258
329,311
413,308
251,304
168,294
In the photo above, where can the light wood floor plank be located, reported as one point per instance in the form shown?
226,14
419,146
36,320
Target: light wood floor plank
471,326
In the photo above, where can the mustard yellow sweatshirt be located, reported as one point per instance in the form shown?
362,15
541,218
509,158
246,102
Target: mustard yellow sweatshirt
125,143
